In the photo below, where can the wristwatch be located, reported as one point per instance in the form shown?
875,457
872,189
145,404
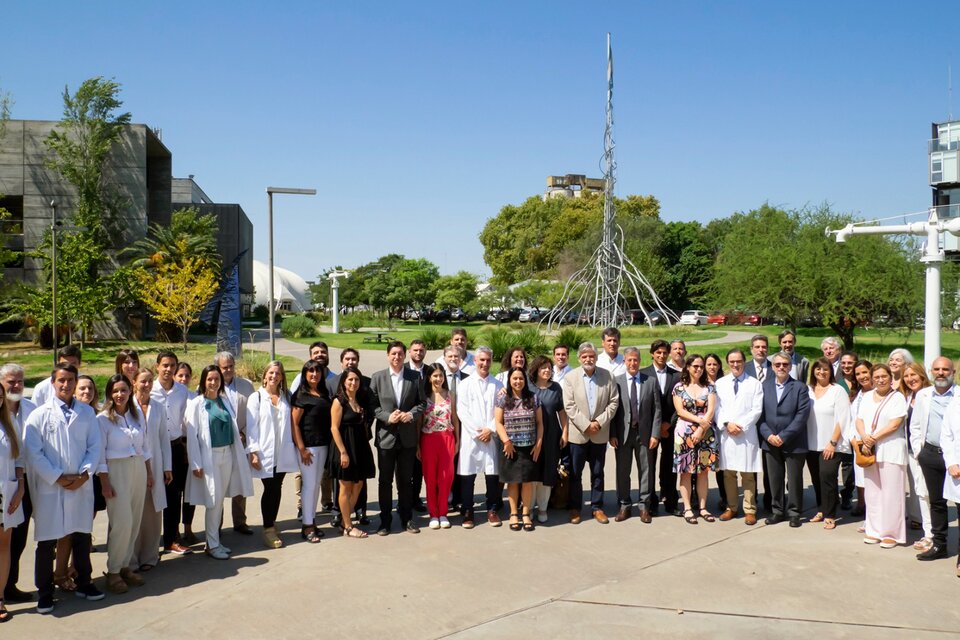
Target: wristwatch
834,443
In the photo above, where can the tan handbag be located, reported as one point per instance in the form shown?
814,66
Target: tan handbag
862,459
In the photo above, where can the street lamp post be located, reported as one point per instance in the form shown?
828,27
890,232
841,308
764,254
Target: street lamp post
335,288
270,192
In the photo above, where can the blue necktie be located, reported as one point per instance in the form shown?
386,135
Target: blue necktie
736,385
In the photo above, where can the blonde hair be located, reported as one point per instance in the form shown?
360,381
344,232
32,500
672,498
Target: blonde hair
7,423
917,368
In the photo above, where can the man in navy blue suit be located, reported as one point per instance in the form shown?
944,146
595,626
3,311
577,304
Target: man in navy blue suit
783,433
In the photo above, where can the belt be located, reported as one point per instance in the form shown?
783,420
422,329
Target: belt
933,447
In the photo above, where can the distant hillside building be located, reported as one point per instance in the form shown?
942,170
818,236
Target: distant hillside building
572,185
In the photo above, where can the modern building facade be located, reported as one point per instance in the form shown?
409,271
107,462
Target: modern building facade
944,169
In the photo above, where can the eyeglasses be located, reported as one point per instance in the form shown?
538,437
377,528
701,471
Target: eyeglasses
781,365
733,362
696,366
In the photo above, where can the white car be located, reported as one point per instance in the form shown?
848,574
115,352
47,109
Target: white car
693,317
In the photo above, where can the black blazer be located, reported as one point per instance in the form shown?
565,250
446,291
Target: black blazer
787,418
649,409
399,435
668,412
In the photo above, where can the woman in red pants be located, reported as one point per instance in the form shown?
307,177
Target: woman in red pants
439,439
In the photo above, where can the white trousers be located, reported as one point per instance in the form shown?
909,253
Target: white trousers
541,495
311,475
128,477
918,503
222,468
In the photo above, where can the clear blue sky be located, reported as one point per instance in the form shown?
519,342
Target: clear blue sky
417,121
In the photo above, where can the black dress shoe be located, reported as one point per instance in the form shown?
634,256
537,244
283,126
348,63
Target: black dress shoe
419,507
774,519
412,528
935,552
383,531
795,522
363,519
16,596
244,529
846,504
678,511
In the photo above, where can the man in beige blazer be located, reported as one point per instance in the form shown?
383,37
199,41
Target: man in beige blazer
590,398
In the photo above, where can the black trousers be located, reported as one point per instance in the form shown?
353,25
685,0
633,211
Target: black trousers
785,468
824,476
668,478
631,450
494,493
174,490
18,539
270,500
396,464
593,455
46,552
416,482
849,481
934,471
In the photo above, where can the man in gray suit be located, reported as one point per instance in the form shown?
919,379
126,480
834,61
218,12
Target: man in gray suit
237,389
800,366
636,434
590,398
398,402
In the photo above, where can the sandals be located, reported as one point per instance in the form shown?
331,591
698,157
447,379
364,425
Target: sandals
817,518
354,532
829,524
4,614
527,522
692,518
706,515
65,583
514,524
310,535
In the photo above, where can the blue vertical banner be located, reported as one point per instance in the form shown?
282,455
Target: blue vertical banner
228,323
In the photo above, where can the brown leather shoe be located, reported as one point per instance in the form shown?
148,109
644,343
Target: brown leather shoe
623,514
750,519
729,514
493,519
574,516
645,516
600,516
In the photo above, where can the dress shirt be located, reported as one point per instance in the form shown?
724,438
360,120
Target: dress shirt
396,378
780,388
175,402
795,367
938,406
661,378
614,365
559,373
591,388
737,381
761,369
121,439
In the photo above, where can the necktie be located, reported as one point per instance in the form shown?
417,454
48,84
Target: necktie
66,412
634,404
736,386
453,384
761,372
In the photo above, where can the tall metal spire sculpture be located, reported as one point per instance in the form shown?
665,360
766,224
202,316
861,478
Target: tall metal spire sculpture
599,293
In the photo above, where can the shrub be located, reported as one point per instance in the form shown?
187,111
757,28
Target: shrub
532,341
351,322
298,327
434,338
261,312
499,340
253,365
571,337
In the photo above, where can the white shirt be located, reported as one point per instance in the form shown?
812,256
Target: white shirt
661,378
175,402
892,448
558,374
615,365
121,439
825,412
396,379
42,392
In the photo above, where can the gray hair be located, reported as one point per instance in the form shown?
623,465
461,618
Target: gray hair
452,348
586,346
631,351
11,368
224,355
782,355
903,353
484,349
832,340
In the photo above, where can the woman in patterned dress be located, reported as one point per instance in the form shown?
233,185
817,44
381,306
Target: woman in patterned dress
695,440
519,421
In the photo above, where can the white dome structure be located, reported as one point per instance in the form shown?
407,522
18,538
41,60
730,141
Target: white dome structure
289,289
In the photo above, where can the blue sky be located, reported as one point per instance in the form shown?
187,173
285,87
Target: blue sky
417,121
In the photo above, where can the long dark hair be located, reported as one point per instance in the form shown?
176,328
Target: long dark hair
533,371
361,392
122,356
313,365
507,361
685,374
856,387
207,370
526,396
719,362
823,363
110,408
428,370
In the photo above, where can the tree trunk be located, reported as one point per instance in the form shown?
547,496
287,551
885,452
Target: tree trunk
186,328
845,333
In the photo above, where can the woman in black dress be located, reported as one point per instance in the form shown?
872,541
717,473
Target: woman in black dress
311,433
352,460
554,430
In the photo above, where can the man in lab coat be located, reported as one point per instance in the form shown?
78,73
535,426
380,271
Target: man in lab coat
62,445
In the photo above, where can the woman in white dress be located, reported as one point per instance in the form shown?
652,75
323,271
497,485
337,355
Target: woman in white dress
826,446
861,372
880,428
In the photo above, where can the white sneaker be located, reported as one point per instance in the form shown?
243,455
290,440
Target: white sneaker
444,523
542,517
219,553
434,523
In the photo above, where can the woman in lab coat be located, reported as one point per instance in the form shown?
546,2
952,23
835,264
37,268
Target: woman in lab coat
219,466
11,491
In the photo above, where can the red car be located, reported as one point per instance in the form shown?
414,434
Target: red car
731,317
754,320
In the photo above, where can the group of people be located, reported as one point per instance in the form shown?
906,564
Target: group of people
155,448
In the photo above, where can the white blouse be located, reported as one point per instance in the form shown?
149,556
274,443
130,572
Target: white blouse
825,412
892,448
121,439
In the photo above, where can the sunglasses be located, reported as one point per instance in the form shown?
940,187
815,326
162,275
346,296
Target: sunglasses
781,365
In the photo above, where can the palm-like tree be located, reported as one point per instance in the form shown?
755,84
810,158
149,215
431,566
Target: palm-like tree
189,235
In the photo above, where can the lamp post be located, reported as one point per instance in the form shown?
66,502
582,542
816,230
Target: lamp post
334,277
270,192
54,227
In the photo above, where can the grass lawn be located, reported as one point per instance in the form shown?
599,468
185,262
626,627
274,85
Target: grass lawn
98,359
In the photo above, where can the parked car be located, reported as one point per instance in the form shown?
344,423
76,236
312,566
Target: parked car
530,315
457,315
693,317
500,315
442,316
724,318
754,320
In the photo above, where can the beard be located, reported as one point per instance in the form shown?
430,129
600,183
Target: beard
942,384
14,397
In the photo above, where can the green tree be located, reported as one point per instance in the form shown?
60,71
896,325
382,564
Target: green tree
407,283
188,234
357,290
456,291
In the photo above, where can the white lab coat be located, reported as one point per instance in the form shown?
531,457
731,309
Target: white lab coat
8,480
199,491
739,452
162,460
950,443
54,447
275,454
475,409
